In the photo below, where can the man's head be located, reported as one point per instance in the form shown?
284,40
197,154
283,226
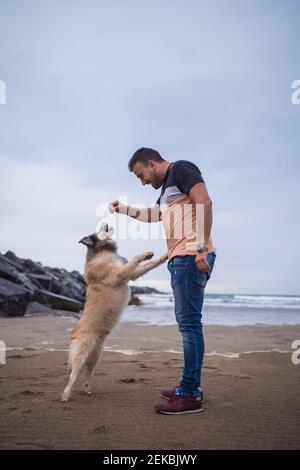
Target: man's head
149,166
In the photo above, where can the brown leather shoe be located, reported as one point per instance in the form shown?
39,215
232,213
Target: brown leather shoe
179,405
167,394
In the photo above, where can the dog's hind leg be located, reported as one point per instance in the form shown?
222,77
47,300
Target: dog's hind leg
91,364
77,357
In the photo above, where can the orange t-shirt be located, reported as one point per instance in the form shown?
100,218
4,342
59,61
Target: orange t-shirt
182,219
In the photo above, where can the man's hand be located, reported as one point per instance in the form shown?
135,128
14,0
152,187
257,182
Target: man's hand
117,206
150,214
201,262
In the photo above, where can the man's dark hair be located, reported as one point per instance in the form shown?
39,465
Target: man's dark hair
143,155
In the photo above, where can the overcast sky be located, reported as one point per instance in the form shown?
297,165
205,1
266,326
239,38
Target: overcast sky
88,82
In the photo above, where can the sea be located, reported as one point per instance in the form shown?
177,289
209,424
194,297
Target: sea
220,309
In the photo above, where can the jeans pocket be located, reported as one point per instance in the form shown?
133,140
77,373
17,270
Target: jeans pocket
204,276
211,258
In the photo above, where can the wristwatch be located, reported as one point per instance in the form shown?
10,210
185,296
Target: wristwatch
201,249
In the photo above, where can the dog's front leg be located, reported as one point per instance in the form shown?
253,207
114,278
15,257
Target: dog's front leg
141,270
122,274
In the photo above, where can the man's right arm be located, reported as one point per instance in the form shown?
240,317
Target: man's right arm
149,215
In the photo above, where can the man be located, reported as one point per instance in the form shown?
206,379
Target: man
191,257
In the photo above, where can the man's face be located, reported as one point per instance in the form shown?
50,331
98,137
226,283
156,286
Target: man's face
148,174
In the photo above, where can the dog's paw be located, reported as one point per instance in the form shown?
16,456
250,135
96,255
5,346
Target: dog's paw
65,397
87,389
163,258
148,255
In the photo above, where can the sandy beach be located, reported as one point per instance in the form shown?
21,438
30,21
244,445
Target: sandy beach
250,384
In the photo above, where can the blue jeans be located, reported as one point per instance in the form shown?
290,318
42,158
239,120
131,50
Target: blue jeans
188,284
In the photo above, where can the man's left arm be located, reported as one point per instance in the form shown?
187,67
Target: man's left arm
199,195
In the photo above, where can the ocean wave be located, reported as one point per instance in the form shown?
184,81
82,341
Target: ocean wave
229,314
166,300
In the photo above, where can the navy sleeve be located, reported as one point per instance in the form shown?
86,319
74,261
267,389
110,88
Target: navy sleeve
187,174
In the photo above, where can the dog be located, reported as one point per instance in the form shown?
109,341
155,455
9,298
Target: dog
107,275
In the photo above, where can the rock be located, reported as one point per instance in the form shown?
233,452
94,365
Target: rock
57,301
79,277
14,299
43,280
55,285
35,275
72,286
144,290
32,267
30,284
65,284
135,301
7,271
35,308
11,258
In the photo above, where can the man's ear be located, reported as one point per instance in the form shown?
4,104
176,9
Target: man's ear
152,164
87,241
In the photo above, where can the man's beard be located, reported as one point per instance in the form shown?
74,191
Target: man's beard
156,183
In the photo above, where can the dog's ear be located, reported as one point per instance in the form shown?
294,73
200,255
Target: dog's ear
87,241
103,235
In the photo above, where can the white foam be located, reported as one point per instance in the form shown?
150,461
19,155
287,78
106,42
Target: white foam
132,352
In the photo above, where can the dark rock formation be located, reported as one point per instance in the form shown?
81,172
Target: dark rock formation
23,281
144,290
35,308
14,298
56,301
7,271
135,300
